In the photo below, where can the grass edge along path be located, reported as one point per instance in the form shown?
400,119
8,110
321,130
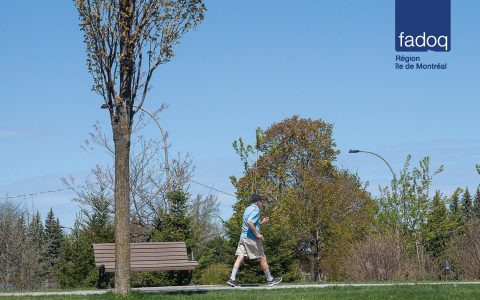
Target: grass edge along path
305,291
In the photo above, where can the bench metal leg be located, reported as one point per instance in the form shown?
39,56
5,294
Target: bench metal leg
101,276
107,280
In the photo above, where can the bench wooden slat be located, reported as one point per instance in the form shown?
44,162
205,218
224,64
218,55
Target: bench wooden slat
155,267
163,264
136,251
140,249
166,256
151,255
143,245
150,259
146,269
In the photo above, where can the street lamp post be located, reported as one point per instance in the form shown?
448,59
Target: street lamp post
165,146
164,139
358,151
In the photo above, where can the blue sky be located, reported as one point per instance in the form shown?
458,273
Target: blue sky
250,64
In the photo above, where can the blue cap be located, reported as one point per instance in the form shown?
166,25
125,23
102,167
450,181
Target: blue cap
256,198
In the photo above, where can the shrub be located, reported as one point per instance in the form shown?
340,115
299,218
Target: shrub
378,257
215,274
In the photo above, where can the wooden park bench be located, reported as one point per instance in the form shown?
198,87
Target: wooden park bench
144,257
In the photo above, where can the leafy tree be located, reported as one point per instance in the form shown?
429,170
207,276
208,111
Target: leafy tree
404,206
294,170
327,218
126,41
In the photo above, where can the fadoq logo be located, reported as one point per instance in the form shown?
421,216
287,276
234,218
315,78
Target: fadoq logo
422,25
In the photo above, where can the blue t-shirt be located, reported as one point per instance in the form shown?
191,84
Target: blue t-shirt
252,213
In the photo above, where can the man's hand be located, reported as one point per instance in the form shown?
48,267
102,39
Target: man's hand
260,236
265,220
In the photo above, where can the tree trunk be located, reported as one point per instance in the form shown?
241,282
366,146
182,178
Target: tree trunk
420,258
121,124
318,271
121,136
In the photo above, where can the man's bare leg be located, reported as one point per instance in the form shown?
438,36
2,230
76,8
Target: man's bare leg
264,265
236,266
239,261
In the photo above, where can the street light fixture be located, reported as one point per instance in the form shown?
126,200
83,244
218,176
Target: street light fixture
358,151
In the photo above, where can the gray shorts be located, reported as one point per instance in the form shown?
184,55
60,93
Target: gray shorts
251,248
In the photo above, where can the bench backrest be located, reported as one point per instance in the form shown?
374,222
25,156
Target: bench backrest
143,253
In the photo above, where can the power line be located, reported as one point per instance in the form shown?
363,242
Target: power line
40,193
212,188
82,186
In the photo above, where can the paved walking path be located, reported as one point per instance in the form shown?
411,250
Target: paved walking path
206,288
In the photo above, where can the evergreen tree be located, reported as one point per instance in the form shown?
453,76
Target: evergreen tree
99,223
438,227
36,240
456,212
467,206
476,204
176,223
455,202
36,231
78,268
175,227
54,243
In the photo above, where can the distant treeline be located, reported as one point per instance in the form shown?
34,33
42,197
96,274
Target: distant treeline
325,225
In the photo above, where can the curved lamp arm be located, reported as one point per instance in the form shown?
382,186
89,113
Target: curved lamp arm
358,151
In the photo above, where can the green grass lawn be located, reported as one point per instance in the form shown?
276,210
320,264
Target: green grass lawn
461,291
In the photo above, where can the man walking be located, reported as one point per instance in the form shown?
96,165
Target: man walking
251,241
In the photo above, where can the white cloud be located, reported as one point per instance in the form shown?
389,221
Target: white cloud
6,133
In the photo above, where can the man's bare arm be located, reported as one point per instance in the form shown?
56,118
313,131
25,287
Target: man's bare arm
254,230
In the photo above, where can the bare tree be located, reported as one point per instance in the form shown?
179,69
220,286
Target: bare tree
148,186
10,244
464,251
204,211
378,257
20,255
126,40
